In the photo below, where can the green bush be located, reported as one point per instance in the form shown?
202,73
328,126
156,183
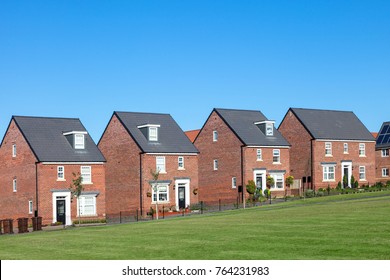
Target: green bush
320,193
309,193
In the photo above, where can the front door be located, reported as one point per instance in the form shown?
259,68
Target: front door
346,174
259,181
61,216
182,197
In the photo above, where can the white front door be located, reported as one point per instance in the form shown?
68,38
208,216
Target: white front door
62,208
182,193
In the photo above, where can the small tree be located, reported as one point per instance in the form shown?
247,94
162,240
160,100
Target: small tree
289,180
345,181
251,189
270,181
76,188
155,175
353,182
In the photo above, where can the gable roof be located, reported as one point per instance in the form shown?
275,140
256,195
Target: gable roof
332,125
171,138
242,123
46,139
192,134
383,140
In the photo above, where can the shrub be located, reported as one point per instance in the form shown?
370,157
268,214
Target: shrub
320,193
309,193
339,186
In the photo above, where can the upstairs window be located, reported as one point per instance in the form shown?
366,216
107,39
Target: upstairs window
215,136
160,165
15,185
181,162
60,173
86,174
215,164
269,129
153,134
346,148
385,153
14,150
79,141
362,150
276,156
328,149
259,155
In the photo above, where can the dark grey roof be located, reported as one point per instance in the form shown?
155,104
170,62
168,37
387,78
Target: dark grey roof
171,138
242,123
383,139
333,125
46,139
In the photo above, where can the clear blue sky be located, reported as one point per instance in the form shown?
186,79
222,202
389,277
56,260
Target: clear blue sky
86,59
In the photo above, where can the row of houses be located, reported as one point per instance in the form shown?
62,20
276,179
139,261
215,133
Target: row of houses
144,159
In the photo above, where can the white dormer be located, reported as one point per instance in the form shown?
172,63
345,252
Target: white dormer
76,139
267,127
150,131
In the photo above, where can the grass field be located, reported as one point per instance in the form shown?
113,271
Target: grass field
352,227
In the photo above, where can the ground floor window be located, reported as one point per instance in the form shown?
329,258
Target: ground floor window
328,173
385,172
362,173
279,181
160,193
87,205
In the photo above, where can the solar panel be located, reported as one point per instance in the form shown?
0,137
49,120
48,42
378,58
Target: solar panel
380,139
384,135
386,129
386,139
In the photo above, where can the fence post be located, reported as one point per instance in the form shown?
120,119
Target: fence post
120,217
219,206
163,212
201,207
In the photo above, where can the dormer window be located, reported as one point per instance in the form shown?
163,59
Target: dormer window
267,127
76,139
150,131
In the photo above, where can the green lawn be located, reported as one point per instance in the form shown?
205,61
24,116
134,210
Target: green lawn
343,227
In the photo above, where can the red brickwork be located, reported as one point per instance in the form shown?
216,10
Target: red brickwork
381,162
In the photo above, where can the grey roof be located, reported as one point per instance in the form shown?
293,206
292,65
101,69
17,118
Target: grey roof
242,123
383,139
171,138
47,141
333,125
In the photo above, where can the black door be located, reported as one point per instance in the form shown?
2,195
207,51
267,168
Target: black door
61,217
182,197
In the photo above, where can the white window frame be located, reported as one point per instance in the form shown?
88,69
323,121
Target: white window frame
328,149
215,136
278,179
180,163
161,165
362,173
328,171
362,150
153,133
159,190
86,174
385,153
385,172
346,148
14,151
215,164
15,185
81,206
269,129
276,155
259,155
59,178
30,207
234,182
79,141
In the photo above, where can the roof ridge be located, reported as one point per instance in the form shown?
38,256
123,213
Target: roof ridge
323,110
242,110
40,117
141,113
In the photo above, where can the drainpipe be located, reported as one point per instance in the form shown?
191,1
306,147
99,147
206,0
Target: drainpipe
312,165
242,176
141,184
36,214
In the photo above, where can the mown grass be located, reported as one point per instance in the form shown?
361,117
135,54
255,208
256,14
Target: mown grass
352,227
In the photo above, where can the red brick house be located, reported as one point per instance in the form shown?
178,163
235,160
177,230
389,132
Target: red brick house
38,157
237,146
328,146
139,144
382,154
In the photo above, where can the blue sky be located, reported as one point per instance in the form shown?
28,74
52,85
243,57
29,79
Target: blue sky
86,59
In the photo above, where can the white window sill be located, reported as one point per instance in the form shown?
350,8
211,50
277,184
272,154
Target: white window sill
61,180
326,181
87,216
362,156
362,180
181,169
259,160
163,172
160,202
277,163
328,155
87,183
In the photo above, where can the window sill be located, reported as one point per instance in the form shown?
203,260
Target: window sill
181,169
362,180
161,202
61,180
163,172
327,181
362,156
277,163
260,160
328,155
89,183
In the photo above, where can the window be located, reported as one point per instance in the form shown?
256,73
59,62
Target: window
234,182
15,185
328,149
160,193
269,129
385,153
30,207
14,150
362,173
362,150
328,173
385,172
87,205
346,150
215,136
259,155
60,173
153,134
79,141
86,174
276,157
215,164
181,162
160,164
279,181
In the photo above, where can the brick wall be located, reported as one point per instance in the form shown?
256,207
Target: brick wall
15,205
122,169
217,184
381,162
